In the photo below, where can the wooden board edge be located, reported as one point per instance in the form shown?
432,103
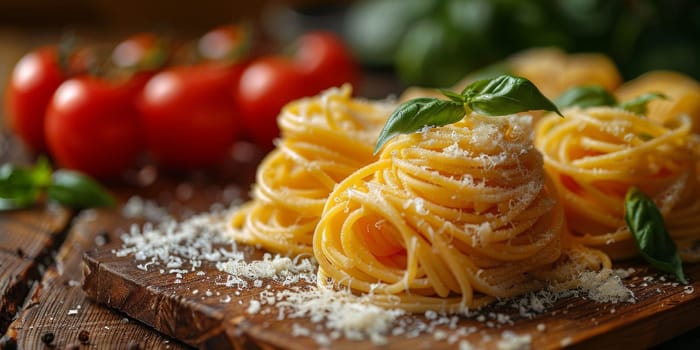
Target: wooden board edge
171,317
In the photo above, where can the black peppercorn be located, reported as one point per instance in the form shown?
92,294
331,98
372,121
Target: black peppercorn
47,338
84,337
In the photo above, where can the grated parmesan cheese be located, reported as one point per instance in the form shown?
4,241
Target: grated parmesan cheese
511,341
179,248
465,345
254,307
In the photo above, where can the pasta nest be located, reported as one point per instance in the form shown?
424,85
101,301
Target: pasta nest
448,218
595,155
324,139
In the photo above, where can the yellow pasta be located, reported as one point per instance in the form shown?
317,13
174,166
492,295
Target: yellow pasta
554,72
324,139
682,92
595,155
448,219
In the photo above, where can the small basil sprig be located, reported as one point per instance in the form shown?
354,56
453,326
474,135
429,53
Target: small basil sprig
596,95
646,224
21,187
502,95
638,105
585,96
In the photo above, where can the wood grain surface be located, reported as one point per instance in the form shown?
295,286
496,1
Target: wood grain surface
26,240
209,323
57,305
41,256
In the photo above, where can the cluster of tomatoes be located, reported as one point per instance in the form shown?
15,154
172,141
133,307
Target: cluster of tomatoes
184,115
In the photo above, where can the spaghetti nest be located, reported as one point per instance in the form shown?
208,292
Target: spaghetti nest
447,219
595,155
324,139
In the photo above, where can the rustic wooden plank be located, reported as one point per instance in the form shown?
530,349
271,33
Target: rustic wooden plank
207,322
14,285
26,240
59,306
32,232
22,240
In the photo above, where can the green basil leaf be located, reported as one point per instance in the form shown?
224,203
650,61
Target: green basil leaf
17,187
453,96
638,105
585,96
41,172
505,95
649,231
14,181
73,189
415,114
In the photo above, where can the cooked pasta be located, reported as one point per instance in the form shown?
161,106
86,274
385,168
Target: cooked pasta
448,219
682,95
554,72
595,155
324,139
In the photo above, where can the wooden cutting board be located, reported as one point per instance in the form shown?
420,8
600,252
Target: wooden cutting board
662,310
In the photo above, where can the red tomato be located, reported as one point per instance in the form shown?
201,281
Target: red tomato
189,114
34,80
92,125
326,61
265,87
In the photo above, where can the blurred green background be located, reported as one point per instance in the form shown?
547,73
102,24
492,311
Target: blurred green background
434,42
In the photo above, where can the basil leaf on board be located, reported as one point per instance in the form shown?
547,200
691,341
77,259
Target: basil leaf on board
505,95
638,104
73,189
585,96
417,113
41,172
17,187
649,231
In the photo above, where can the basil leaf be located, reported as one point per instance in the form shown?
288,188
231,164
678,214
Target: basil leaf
17,187
505,95
653,241
638,105
14,181
453,96
585,96
417,113
41,173
76,190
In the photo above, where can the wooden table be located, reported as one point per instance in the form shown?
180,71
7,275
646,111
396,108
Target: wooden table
41,250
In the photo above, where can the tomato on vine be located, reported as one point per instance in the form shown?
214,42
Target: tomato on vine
92,125
32,83
325,61
265,87
189,116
